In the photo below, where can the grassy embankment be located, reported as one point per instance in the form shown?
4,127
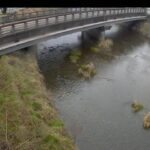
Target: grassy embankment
28,120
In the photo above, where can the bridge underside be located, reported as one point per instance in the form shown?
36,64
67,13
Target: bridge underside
25,39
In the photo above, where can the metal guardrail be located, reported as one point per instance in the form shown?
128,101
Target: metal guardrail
15,23
21,16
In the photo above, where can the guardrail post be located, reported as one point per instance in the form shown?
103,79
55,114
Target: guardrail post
25,25
125,11
56,19
80,12
104,14
0,31
37,14
13,28
37,23
93,13
46,21
86,13
72,16
98,14
65,18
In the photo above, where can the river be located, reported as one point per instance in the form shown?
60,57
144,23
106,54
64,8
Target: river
98,112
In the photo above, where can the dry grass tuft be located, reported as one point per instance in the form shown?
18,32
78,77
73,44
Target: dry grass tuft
104,49
147,121
87,70
137,106
106,44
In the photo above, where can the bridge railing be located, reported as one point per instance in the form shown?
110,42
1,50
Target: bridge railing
28,21
22,16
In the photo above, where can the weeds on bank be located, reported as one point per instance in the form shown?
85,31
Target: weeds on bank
27,120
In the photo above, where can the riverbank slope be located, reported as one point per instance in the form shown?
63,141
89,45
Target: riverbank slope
28,120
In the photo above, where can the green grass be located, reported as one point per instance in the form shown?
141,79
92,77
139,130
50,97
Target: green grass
36,106
27,120
95,49
75,56
56,123
51,141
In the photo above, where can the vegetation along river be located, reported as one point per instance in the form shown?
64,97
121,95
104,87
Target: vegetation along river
98,112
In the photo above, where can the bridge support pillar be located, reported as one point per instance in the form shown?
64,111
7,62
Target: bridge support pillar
93,35
32,50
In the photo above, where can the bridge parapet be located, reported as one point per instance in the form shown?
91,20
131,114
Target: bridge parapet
29,21
22,16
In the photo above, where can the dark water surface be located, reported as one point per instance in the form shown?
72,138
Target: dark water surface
98,112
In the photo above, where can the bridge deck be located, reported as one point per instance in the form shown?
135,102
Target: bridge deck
22,33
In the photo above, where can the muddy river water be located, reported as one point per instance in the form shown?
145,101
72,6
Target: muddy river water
97,112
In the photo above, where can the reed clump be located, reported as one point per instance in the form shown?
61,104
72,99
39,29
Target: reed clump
103,49
87,70
106,44
147,121
137,106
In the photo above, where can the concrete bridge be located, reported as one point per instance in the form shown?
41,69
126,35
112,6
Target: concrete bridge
18,31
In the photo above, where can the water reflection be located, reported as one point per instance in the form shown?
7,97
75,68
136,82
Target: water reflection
53,54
